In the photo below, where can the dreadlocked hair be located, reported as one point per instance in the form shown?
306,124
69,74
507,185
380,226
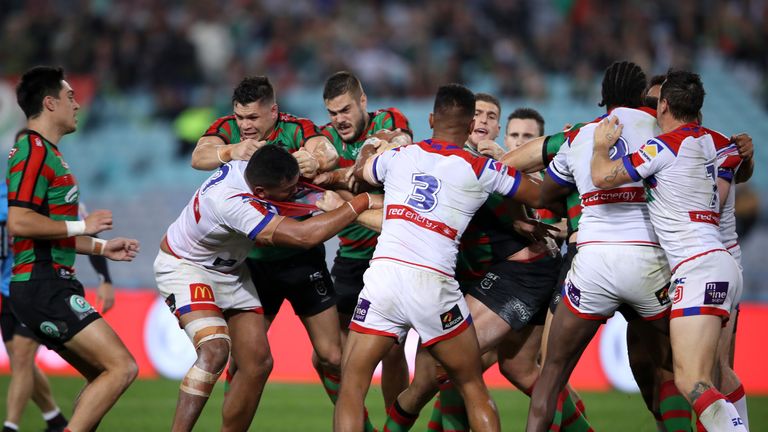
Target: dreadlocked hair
623,85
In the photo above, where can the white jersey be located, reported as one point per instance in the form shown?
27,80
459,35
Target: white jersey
617,215
681,168
431,191
728,161
220,223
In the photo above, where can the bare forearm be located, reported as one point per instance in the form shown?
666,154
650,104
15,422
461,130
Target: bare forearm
607,173
209,153
315,230
527,158
23,222
366,152
745,171
371,219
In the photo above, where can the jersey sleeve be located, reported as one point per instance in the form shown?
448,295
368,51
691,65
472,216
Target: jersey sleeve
28,175
394,119
559,169
381,165
305,130
497,177
221,128
728,161
244,214
649,159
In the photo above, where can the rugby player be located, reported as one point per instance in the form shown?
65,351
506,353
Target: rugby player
614,227
27,380
300,276
43,219
508,300
431,191
683,206
200,272
350,126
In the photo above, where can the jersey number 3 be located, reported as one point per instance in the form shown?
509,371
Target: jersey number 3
424,194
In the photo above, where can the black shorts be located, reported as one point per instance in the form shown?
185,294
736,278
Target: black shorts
348,282
55,310
301,279
564,269
9,324
519,292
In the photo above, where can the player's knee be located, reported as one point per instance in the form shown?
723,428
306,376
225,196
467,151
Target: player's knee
129,370
519,374
210,335
329,358
258,365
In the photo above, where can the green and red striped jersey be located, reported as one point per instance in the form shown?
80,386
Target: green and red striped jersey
291,133
551,146
489,238
355,241
289,130
39,179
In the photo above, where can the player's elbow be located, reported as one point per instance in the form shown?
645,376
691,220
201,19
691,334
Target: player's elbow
599,181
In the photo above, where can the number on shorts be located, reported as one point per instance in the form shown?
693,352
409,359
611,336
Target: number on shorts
424,194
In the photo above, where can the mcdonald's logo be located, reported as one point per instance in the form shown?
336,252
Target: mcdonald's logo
201,292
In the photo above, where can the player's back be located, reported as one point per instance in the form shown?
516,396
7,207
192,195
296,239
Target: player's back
683,199
432,190
216,229
617,215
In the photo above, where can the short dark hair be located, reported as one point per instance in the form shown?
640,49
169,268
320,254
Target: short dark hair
485,97
271,166
455,100
35,85
528,114
340,83
254,89
651,101
684,94
623,85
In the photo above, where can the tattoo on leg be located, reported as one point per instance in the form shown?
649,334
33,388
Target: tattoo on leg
698,389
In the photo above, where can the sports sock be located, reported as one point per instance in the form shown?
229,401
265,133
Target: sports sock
674,409
10,427
739,400
557,419
573,418
452,407
331,385
398,420
436,419
228,375
716,414
580,405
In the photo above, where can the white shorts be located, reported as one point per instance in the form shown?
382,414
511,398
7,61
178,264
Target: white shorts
188,287
603,276
397,297
707,285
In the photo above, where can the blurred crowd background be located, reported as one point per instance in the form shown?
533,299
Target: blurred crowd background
153,74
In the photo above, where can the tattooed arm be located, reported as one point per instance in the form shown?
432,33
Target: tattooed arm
607,173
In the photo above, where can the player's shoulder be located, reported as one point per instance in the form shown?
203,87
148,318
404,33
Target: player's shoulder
224,119
285,117
721,141
641,112
674,139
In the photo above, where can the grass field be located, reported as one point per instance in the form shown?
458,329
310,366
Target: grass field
148,406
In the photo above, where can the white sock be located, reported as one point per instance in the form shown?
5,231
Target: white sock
11,425
48,415
741,407
721,416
